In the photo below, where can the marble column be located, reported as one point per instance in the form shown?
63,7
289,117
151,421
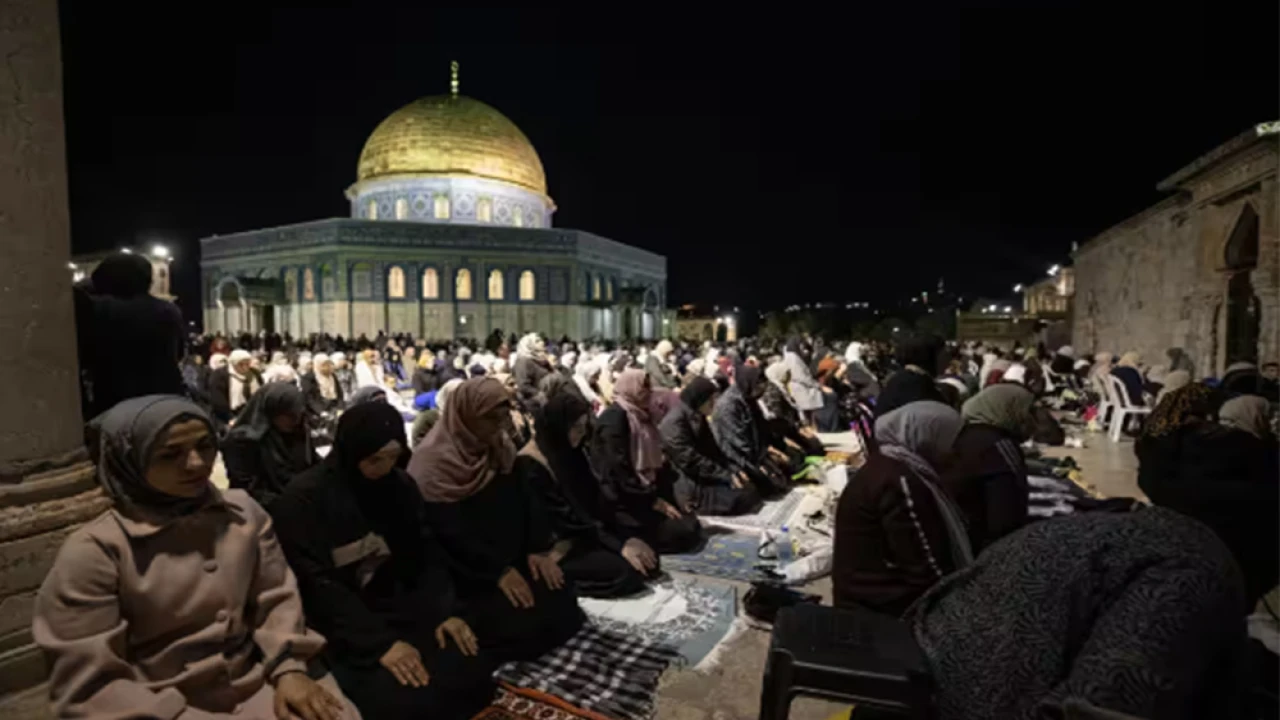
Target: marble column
46,483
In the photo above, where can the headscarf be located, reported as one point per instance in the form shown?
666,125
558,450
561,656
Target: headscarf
442,395
919,435
568,360
1067,351
995,373
550,384
663,349
339,360
661,402
426,359
1249,413
254,421
853,353
710,362
1015,373
827,367
747,378
1102,363
631,394
122,275
582,376
1179,360
238,356
454,461
367,394
120,442
1131,359
696,366
1180,408
217,361
533,347
363,431
779,374
1005,406
697,392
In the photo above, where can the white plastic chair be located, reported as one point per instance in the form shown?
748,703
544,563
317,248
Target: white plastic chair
1105,400
1123,408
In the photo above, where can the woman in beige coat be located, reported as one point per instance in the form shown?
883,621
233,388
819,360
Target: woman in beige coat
177,602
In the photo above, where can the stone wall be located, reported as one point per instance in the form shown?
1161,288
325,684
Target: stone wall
1159,279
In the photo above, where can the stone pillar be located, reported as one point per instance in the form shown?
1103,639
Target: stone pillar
46,483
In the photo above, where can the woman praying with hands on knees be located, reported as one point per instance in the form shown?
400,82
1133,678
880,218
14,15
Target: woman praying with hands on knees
376,583
493,527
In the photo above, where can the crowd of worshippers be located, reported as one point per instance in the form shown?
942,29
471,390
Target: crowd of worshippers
392,576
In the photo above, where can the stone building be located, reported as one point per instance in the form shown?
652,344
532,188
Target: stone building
1199,270
449,236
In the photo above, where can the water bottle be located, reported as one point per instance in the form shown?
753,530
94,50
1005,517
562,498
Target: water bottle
785,551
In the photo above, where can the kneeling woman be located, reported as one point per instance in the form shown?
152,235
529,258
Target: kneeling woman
492,526
374,583
897,530
626,451
687,440
176,601
598,557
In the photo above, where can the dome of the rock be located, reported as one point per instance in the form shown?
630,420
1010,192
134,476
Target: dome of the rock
446,135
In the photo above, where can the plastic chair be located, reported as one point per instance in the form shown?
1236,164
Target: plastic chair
845,654
1106,401
1123,408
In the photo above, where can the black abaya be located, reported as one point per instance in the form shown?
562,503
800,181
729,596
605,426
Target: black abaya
370,575
692,451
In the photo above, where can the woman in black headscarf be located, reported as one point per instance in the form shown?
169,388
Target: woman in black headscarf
743,435
593,551
374,581
270,443
691,449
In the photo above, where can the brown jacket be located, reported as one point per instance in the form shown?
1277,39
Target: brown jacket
891,541
176,619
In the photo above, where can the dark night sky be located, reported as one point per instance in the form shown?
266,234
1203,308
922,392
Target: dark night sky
774,155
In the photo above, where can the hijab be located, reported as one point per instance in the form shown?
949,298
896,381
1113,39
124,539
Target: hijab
551,437
217,360
121,440
532,347
1249,413
697,392
442,395
1005,406
367,394
747,378
1015,373
384,502
1130,359
919,435
454,461
583,375
995,373
1181,408
550,385
1102,363
663,349
287,455
1179,360
630,393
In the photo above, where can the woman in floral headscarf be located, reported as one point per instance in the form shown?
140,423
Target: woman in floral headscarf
626,450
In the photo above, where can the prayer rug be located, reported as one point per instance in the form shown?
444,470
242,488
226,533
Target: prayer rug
512,703
732,556
772,515
604,672
692,616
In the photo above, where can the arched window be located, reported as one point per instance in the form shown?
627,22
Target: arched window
328,283
290,285
534,221
528,287
595,287
608,289
308,285
402,208
362,280
484,210
517,217
372,212
395,278
430,284
462,285
442,206
495,285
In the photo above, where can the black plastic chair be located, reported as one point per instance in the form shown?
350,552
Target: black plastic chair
849,655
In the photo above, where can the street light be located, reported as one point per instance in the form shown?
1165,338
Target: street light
126,251
1017,288
1054,270
159,251
71,266
1008,309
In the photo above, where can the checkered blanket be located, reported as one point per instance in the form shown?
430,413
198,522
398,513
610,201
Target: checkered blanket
605,672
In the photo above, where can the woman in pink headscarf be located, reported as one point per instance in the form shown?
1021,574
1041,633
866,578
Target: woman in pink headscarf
626,451
492,527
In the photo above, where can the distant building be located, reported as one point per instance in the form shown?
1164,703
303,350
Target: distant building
449,236
697,323
1042,316
82,266
1200,270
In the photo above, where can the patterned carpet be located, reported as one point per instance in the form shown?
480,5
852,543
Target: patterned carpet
516,704
771,516
729,555
690,615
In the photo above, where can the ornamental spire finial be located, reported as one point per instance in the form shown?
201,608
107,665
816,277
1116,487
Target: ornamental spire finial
453,78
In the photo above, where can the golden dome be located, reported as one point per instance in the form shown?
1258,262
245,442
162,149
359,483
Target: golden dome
448,135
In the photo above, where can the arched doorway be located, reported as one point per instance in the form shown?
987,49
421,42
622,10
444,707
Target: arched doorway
231,306
1244,314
